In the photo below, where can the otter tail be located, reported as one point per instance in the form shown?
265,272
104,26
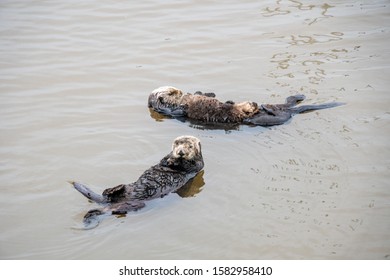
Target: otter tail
307,108
85,191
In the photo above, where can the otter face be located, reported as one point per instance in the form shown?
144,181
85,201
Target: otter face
248,107
186,147
166,96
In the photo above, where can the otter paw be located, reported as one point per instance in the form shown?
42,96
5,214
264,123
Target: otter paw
209,94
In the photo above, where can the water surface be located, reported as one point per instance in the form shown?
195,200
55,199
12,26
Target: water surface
74,81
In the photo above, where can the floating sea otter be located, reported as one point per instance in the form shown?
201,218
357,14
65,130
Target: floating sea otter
205,108
177,168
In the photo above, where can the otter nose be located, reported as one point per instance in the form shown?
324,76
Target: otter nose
181,153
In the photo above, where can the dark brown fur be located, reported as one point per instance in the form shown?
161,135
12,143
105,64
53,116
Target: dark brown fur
209,109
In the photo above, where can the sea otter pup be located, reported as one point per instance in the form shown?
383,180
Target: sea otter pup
204,107
182,164
200,106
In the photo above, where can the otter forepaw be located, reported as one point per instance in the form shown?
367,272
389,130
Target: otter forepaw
178,112
208,94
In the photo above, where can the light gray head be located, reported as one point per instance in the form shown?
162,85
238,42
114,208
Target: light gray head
166,96
186,147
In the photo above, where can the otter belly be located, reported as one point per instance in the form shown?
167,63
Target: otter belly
156,183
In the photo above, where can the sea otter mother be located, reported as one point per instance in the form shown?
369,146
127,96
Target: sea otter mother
205,108
174,171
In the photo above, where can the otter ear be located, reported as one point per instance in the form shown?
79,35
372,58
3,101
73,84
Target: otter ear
174,91
173,146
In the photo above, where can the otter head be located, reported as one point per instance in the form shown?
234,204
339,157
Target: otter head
166,97
247,107
186,147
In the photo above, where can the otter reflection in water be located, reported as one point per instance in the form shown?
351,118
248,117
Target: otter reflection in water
172,173
205,108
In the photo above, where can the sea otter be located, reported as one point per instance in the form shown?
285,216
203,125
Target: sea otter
199,106
182,164
204,107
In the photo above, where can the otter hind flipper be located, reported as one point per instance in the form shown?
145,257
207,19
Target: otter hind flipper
123,208
276,118
88,193
307,108
268,110
294,100
93,217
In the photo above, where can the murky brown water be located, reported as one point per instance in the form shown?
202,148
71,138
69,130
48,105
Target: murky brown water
74,81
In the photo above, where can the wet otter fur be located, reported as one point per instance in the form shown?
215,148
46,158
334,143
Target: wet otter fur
182,164
199,106
209,109
204,107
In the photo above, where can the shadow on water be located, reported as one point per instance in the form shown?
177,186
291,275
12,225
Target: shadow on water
193,187
196,124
